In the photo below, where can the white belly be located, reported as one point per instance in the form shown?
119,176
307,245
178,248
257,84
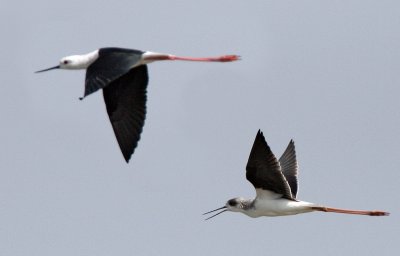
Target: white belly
278,207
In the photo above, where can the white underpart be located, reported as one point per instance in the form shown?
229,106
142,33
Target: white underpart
268,203
278,207
79,61
149,57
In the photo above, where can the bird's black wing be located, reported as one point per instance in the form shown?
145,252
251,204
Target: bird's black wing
263,169
111,64
290,167
125,100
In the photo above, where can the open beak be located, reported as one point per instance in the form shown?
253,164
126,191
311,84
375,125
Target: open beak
47,69
222,208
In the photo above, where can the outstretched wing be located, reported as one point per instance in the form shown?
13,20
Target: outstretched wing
111,64
263,169
290,167
125,100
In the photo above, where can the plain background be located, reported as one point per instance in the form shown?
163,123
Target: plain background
325,73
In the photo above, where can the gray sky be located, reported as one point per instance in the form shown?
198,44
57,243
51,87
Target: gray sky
325,73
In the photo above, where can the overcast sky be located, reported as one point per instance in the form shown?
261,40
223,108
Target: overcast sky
325,73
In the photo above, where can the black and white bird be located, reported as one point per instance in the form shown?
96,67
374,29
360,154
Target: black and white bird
276,186
122,74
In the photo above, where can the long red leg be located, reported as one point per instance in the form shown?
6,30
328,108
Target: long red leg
329,209
153,56
224,58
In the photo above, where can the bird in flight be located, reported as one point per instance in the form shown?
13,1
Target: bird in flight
276,186
122,74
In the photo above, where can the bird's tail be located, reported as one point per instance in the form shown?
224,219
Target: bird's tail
358,212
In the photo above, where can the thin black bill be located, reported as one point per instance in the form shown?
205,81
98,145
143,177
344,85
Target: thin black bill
47,69
221,208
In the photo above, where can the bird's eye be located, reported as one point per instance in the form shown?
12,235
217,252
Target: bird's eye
232,202
65,62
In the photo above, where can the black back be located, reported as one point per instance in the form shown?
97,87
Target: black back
264,171
125,100
111,64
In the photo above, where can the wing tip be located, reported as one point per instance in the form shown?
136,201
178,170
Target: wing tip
260,134
291,144
127,156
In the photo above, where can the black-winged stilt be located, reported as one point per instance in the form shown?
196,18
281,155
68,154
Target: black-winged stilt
122,74
276,186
